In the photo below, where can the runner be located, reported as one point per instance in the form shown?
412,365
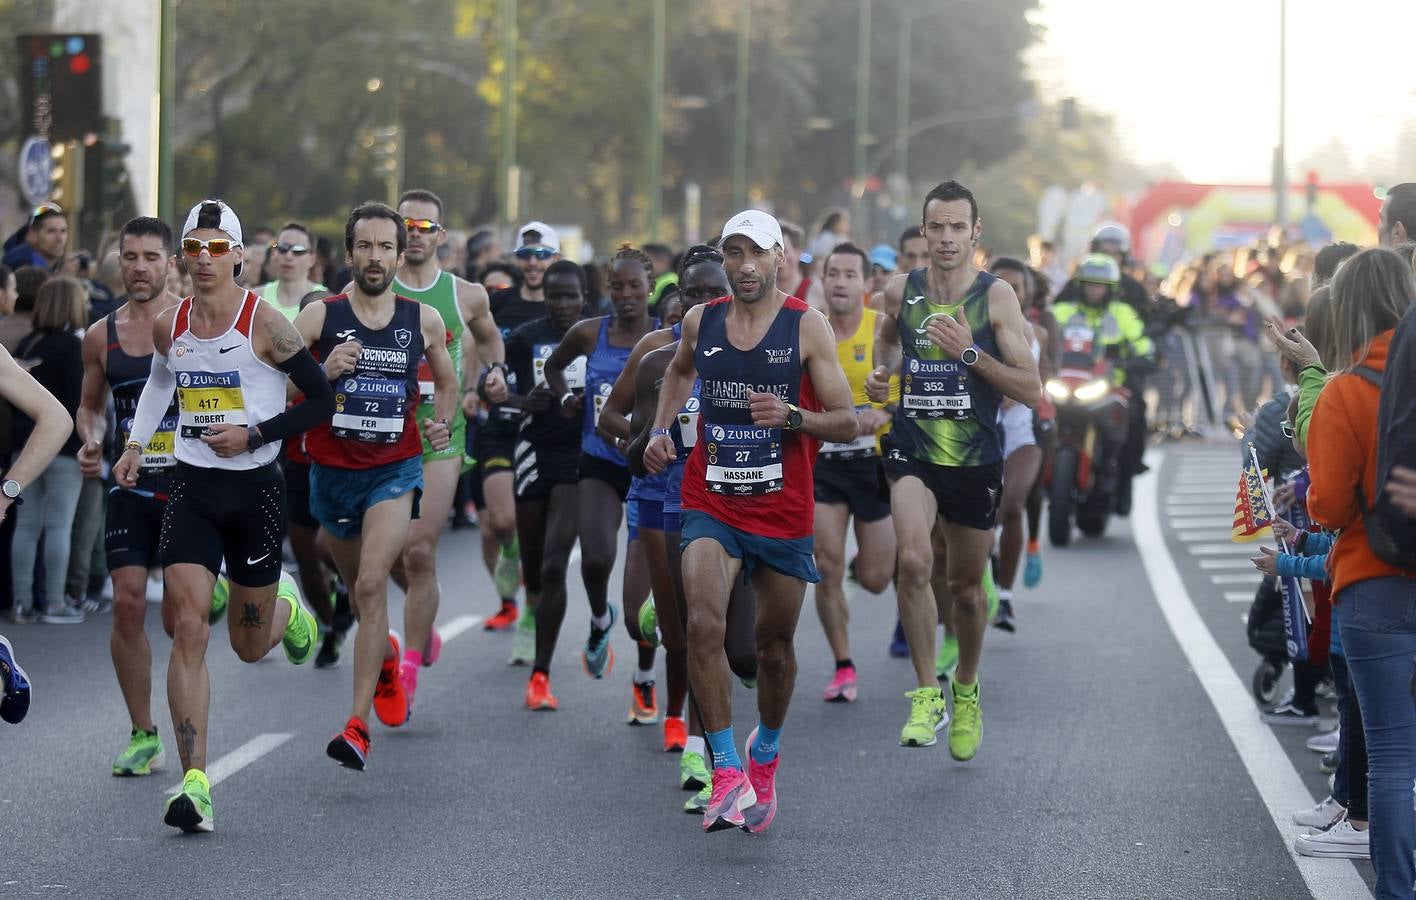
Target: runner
134,516
847,475
790,279
700,279
605,342
537,247
1022,457
228,354
547,454
292,255
963,342
747,494
52,427
463,307
367,474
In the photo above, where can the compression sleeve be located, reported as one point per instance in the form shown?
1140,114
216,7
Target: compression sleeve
154,401
316,407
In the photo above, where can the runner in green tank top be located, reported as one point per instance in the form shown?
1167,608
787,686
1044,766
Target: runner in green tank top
465,311
958,340
291,256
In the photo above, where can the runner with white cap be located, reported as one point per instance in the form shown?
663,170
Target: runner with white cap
228,355
747,493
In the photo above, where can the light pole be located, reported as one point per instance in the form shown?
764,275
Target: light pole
1280,153
166,95
862,131
740,110
902,90
656,120
508,113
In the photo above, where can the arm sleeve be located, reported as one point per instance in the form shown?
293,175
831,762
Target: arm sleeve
155,399
1313,568
1310,385
316,407
1318,543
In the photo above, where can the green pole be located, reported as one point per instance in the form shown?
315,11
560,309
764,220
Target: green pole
508,110
656,121
902,95
740,111
166,90
862,112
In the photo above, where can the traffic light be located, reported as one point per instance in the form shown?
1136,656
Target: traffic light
60,79
383,146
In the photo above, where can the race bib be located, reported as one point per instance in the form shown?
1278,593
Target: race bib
425,381
205,399
861,447
161,451
574,373
601,397
936,389
743,460
369,407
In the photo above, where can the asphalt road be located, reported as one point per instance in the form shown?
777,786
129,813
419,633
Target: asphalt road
1108,768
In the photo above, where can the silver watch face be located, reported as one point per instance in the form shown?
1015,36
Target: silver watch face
11,488
969,356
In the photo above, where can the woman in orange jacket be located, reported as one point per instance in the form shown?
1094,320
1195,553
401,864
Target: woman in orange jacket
1375,603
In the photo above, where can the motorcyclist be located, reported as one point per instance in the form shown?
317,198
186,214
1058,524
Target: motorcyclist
1114,240
1101,324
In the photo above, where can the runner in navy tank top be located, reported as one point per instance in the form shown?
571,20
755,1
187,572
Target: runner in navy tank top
772,387
605,342
366,475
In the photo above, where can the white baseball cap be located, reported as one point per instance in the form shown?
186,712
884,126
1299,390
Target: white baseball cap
549,238
759,227
229,223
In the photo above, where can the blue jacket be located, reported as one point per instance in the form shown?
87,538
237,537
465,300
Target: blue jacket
1311,562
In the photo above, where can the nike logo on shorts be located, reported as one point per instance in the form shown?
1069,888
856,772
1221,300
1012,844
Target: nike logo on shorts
252,562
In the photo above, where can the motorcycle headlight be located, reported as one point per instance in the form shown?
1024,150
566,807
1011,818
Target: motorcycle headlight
1057,389
1093,390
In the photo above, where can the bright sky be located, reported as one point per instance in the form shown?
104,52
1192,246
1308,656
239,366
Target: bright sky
1196,82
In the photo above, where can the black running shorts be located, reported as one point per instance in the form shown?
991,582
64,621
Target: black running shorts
223,513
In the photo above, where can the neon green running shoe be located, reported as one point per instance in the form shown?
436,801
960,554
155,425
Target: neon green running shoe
947,659
749,683
928,714
990,592
144,754
303,629
693,772
966,730
523,643
507,574
649,622
220,596
699,801
190,808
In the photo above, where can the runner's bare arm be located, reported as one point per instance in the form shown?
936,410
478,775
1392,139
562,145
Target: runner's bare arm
445,387
837,419
476,309
1015,374
887,353
90,419
614,424
578,341
152,404
51,429
649,375
673,394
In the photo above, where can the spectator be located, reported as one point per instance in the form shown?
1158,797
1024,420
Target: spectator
253,257
1397,222
835,229
106,288
481,251
17,322
53,353
661,257
41,241
498,276
1328,259
1375,602
8,292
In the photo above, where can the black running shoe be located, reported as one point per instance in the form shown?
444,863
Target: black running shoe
328,656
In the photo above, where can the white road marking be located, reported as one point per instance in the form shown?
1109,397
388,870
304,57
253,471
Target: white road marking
1220,523
1227,564
1272,773
1186,490
457,626
1239,596
1239,578
1218,502
1224,549
1208,534
239,758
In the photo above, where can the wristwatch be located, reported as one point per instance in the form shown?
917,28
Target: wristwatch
11,489
254,439
793,417
969,356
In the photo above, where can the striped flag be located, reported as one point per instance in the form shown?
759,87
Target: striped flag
1253,521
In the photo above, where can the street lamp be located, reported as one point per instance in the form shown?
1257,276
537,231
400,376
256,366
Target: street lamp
656,120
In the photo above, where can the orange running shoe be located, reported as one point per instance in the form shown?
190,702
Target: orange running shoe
505,619
390,698
350,748
538,693
644,708
675,734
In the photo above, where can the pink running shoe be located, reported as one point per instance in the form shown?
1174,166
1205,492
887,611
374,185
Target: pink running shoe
731,795
408,677
434,647
763,779
842,688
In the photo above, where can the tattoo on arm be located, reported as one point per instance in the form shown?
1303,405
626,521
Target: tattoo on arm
250,616
285,341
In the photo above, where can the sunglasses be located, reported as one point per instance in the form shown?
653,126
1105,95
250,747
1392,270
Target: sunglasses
541,253
44,209
216,247
296,249
1287,429
422,226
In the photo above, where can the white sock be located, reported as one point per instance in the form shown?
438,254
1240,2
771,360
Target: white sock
697,745
601,622
643,676
1005,594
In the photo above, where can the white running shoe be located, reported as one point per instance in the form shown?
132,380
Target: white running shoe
1323,743
1320,816
1341,841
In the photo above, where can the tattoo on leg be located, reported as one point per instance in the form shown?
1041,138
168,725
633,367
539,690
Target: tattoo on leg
250,616
187,741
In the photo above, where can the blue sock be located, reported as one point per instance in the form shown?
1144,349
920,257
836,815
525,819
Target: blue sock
720,745
764,749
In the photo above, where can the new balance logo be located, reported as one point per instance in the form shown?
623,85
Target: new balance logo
710,352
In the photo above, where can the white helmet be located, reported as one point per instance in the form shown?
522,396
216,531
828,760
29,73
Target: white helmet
1112,233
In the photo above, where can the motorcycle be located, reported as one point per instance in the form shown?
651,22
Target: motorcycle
1085,472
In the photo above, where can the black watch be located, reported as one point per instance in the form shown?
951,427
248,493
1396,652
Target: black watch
254,440
793,417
